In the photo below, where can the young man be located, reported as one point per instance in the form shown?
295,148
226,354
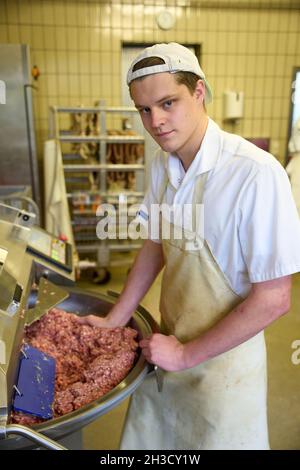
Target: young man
217,294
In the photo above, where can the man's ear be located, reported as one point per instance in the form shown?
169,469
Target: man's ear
200,90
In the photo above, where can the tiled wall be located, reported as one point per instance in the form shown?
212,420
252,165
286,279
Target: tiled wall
246,46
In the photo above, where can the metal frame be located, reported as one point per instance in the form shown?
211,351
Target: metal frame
102,248
83,303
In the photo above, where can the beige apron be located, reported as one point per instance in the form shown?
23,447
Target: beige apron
219,404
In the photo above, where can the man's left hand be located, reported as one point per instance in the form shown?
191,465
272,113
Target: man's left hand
164,351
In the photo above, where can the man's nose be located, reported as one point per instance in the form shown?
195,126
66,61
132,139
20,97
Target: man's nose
157,118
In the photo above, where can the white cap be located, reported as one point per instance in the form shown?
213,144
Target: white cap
294,142
177,58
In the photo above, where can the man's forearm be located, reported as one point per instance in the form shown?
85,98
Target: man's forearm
146,267
266,302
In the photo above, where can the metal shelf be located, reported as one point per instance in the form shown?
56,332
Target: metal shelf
110,139
81,168
93,109
107,194
112,247
91,212
93,173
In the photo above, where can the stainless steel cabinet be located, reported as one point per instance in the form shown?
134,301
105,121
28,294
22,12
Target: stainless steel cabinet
18,159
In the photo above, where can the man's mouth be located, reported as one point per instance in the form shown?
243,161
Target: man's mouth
164,134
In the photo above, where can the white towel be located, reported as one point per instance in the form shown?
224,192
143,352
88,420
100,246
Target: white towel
57,214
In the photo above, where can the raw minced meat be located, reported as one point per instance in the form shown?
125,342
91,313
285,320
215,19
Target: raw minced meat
90,361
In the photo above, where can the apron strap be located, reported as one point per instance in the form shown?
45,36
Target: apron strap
163,187
198,192
198,200
199,188
197,196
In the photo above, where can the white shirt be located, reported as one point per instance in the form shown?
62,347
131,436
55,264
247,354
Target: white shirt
250,219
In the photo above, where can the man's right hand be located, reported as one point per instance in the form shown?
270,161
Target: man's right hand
94,320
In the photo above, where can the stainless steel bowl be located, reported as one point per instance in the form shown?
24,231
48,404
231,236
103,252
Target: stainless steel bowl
85,303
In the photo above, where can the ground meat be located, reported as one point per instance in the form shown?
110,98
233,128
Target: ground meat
25,420
90,361
108,369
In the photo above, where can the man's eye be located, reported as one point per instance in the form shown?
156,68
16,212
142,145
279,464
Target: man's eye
168,104
145,110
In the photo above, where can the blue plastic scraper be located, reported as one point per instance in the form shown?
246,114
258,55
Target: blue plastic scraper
35,388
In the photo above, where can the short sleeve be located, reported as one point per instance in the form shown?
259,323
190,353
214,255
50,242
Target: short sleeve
269,228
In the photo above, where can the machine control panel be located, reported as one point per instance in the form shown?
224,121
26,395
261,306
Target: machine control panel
50,248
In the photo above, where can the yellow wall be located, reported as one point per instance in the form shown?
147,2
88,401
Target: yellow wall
77,45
